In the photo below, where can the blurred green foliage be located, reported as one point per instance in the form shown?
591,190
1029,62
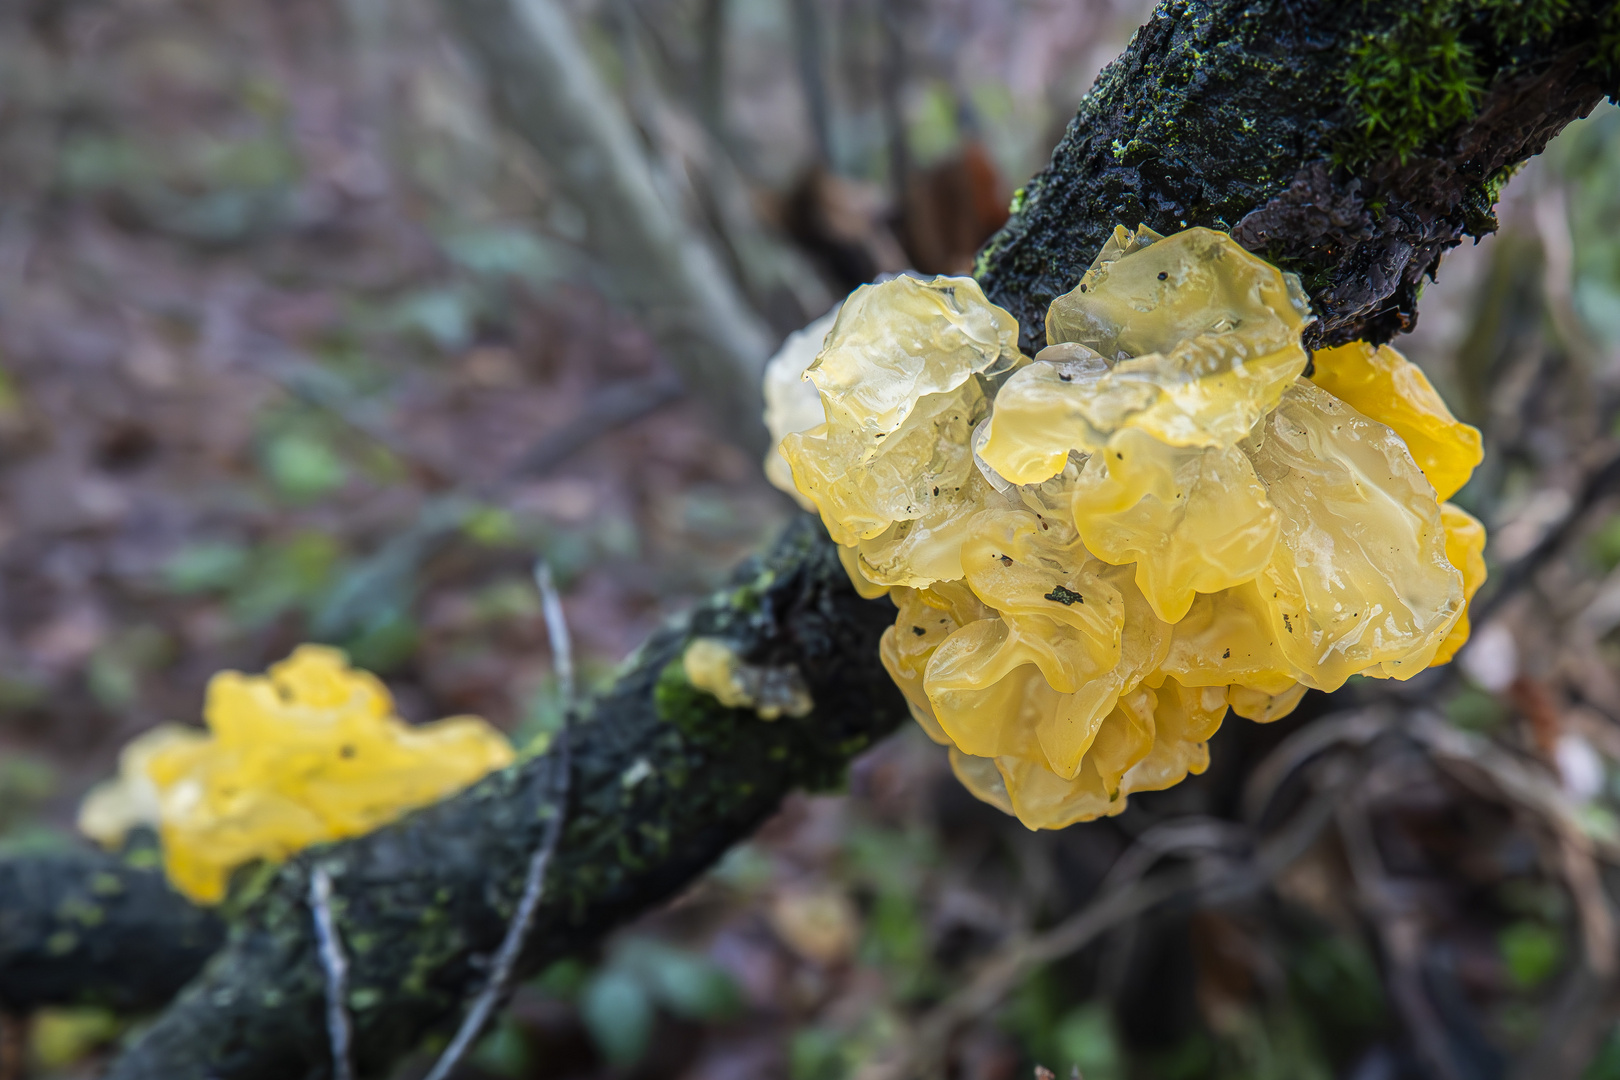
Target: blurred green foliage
60,1037
1473,709
1605,1064
620,1000
303,465
118,664
1531,951
1588,157
1606,544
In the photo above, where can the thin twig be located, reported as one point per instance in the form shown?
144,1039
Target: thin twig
562,648
517,931
1125,895
1392,915
13,1041
336,966
1600,482
607,409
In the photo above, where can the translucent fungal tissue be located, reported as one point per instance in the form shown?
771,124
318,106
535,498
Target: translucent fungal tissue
1097,552
903,378
308,753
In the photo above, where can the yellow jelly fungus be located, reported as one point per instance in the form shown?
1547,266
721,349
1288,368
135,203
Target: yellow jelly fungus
1360,578
1192,519
903,378
114,807
1200,339
895,344
1383,385
713,666
1097,553
791,401
1465,548
309,753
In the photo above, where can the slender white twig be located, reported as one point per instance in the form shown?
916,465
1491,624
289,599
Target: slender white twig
517,931
562,647
336,966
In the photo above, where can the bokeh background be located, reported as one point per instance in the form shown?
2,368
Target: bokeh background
299,342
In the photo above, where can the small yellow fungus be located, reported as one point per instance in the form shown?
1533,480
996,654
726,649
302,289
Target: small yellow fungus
114,807
713,666
310,752
1097,553
1384,386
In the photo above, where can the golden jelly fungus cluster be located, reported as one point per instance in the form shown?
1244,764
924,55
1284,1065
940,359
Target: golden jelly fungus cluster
1097,551
310,752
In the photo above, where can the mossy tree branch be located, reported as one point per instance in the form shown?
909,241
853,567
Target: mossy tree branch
1253,117
665,780
86,928
1354,143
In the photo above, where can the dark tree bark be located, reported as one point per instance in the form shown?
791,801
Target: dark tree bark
1265,118
86,928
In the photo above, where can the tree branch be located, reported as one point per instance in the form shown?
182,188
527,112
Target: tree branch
541,77
1247,118
665,780
86,928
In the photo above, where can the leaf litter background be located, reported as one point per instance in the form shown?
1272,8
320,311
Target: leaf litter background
297,343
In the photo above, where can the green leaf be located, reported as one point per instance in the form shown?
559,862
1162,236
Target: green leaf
208,566
1605,1065
1085,1037
303,466
491,526
285,576
563,980
1475,710
507,251
504,1051
1606,544
1531,951
618,1012
63,1037
817,1054
384,644
685,983
444,316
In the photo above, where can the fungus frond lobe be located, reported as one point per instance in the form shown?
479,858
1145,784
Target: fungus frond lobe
309,752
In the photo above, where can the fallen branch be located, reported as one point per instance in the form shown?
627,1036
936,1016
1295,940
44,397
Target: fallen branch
665,779
666,274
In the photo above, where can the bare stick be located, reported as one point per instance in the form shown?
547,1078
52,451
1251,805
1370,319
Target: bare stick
562,647
540,75
336,966
517,931
13,1043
